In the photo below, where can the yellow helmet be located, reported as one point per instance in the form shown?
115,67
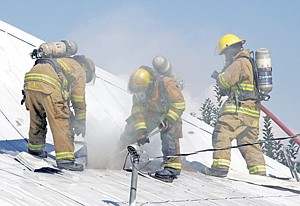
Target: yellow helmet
140,80
227,41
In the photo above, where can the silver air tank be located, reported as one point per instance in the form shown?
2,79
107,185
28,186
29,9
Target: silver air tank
264,69
63,48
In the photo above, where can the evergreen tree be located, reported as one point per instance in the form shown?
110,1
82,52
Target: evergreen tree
274,149
271,148
219,98
267,146
294,149
208,112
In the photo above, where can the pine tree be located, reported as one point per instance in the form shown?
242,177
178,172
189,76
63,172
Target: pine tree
210,110
207,112
269,147
294,149
219,98
274,149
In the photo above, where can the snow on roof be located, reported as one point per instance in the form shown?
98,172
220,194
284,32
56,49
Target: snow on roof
108,105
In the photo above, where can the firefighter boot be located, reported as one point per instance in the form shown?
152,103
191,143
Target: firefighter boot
41,154
70,165
217,172
168,173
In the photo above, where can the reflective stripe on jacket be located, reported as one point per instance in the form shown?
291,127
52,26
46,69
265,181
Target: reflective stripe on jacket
174,108
239,80
42,77
232,108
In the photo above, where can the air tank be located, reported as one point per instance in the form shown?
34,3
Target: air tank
63,48
264,70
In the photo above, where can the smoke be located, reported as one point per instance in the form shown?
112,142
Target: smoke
123,40
131,36
102,145
101,139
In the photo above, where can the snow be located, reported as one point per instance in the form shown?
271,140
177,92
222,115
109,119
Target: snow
108,105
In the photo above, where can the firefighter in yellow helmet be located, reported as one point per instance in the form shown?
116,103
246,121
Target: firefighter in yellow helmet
157,102
49,86
239,115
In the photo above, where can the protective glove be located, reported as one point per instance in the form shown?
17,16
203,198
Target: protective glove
79,127
141,136
166,125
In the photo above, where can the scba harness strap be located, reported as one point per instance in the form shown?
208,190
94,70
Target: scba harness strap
52,62
161,87
59,71
243,94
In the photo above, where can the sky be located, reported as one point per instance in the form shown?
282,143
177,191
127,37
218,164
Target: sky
120,36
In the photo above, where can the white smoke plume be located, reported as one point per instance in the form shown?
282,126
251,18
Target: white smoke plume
123,40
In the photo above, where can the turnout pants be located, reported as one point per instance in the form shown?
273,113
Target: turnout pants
230,127
57,111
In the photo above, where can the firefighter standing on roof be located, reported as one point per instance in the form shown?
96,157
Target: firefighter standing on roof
239,116
49,86
157,102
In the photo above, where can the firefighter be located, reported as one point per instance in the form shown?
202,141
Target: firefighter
239,116
157,102
49,86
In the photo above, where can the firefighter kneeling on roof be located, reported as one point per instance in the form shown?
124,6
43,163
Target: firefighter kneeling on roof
157,102
239,116
50,85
